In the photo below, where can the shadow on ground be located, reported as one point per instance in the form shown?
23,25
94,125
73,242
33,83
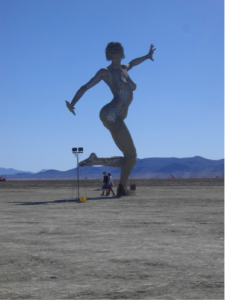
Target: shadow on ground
64,201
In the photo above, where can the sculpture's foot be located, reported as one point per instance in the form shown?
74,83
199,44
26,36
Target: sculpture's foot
93,160
90,161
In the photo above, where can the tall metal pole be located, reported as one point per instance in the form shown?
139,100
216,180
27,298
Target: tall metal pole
77,152
78,175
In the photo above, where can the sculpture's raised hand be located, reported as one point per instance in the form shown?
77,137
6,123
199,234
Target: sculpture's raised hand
70,107
151,51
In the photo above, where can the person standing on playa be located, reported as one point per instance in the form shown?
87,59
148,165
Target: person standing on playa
105,184
110,185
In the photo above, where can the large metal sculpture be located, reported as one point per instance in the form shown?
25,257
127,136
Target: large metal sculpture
113,114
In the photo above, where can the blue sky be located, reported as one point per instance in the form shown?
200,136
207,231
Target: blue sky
50,48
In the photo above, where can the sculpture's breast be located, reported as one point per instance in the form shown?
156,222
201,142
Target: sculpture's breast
120,80
130,83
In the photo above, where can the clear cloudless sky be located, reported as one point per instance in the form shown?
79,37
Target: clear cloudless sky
50,48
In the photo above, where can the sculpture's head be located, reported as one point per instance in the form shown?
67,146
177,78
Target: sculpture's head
114,50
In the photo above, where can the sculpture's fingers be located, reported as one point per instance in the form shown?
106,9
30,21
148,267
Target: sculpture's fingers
70,107
72,110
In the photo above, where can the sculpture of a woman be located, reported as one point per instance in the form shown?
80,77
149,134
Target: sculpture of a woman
113,114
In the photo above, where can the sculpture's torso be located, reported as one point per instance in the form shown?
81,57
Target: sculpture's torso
122,88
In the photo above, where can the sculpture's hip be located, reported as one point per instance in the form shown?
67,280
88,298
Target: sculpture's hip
117,109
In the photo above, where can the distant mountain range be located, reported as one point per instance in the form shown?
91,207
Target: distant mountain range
11,171
145,168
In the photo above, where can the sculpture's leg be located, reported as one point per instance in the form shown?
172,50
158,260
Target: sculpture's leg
124,142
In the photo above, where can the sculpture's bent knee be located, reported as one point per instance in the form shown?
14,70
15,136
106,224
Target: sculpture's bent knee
132,159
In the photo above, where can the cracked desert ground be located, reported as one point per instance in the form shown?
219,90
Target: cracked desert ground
163,242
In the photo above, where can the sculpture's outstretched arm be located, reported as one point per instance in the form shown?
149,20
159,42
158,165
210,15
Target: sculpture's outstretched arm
96,79
139,60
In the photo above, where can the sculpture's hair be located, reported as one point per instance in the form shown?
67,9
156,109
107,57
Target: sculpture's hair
112,49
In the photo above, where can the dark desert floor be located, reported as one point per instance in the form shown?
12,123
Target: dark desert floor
164,242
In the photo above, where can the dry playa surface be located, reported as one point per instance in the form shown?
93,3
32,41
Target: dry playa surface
163,242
